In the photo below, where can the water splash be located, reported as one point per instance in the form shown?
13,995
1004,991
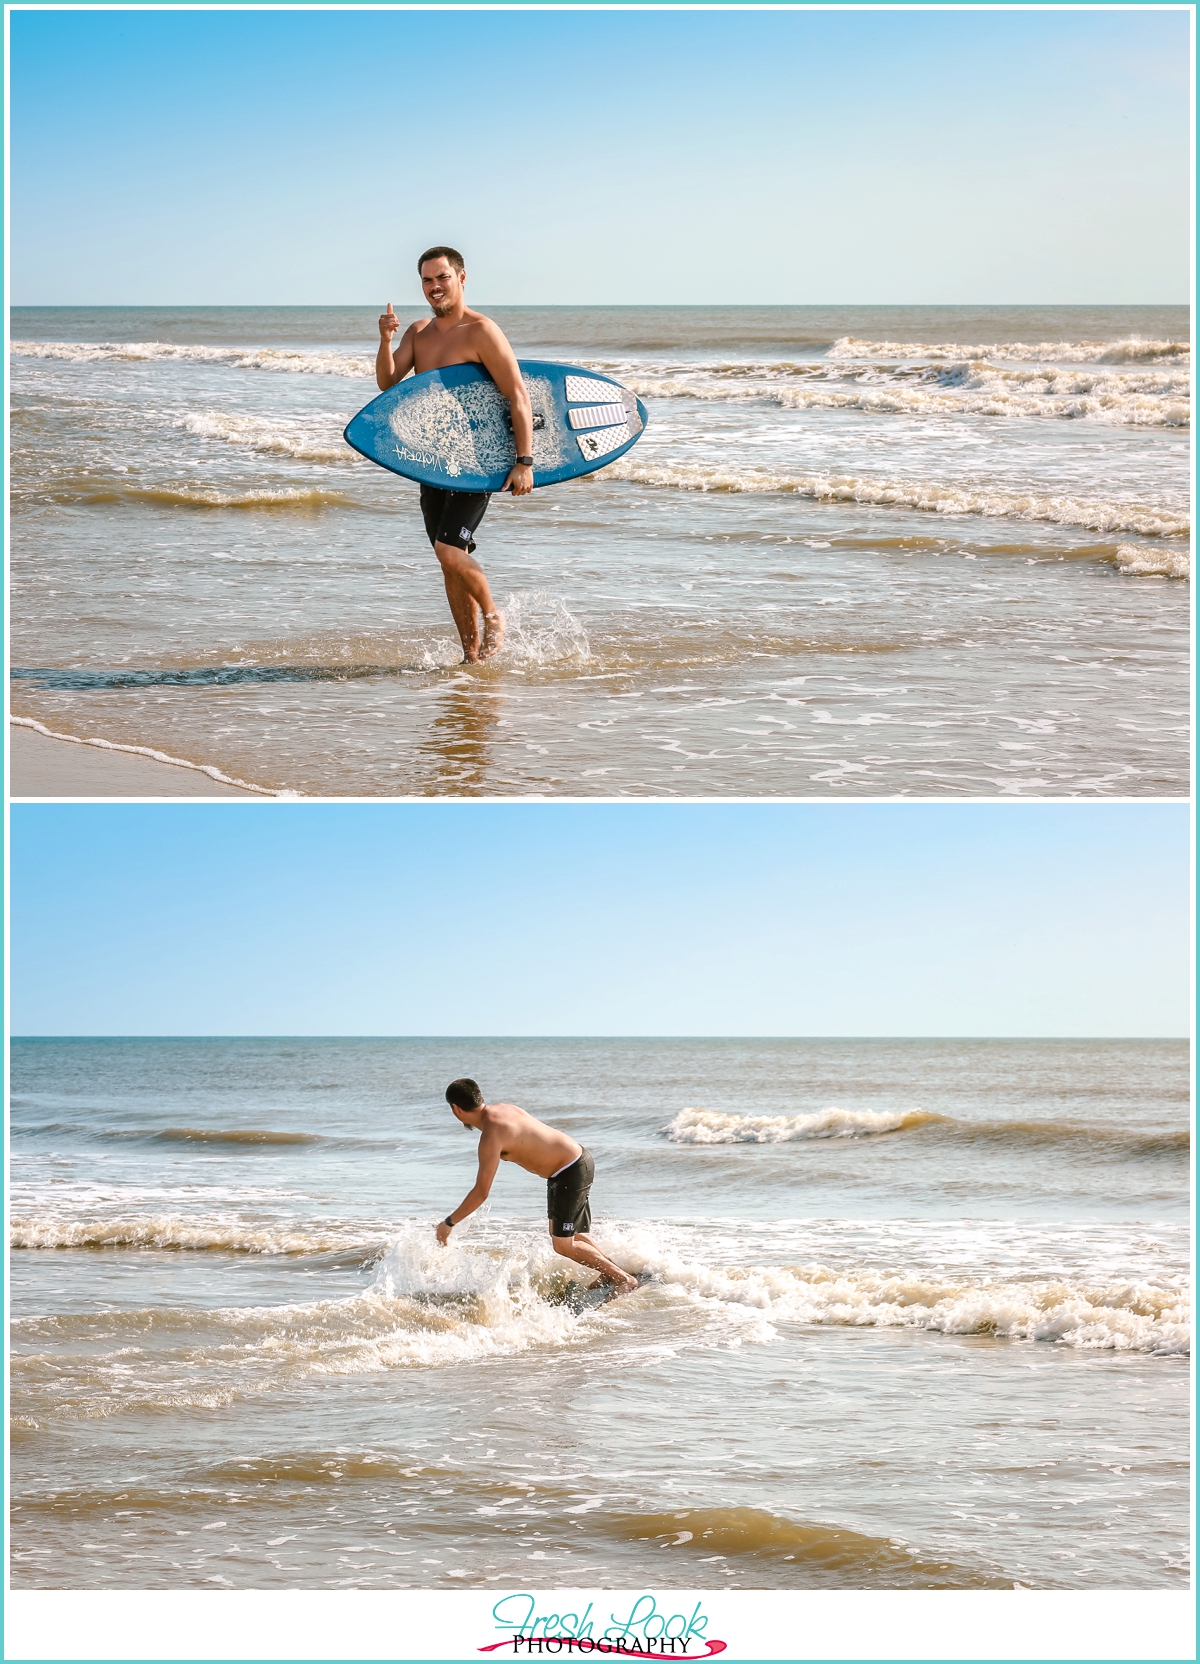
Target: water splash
539,629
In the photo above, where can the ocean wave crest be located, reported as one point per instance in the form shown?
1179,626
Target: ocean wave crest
172,1232
427,1307
219,1135
1095,514
1052,380
355,366
989,397
94,493
756,1534
1129,351
705,1126
1090,1314
1125,1317
1159,563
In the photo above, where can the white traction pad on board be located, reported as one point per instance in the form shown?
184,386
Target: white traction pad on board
605,440
597,416
587,389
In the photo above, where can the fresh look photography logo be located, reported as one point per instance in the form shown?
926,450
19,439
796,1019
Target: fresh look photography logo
646,1631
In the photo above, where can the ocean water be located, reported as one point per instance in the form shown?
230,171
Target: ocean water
919,1317
858,552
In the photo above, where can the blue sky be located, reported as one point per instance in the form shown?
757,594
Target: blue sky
495,919
806,157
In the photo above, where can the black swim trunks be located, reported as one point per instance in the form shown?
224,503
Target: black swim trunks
453,516
567,1197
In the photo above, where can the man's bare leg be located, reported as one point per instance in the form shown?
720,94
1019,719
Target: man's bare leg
493,634
583,1251
468,594
465,614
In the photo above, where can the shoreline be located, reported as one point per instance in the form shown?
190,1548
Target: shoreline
41,765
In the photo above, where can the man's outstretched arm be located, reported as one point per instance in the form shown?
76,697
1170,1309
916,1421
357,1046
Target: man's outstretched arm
489,1161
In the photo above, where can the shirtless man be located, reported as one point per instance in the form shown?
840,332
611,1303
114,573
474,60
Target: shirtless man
456,335
509,1134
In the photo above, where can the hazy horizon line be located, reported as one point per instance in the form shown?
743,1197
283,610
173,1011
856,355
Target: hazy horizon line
1183,1039
625,305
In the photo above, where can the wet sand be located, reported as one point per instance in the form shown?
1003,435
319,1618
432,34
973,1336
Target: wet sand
45,767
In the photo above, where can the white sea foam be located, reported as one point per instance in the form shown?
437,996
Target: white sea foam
1052,380
429,1307
1130,1317
319,441
985,395
706,1126
1130,351
1095,514
174,1231
1163,563
1164,379
354,366
1092,1315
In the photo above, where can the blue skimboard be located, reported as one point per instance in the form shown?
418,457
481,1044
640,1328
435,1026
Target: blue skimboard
451,427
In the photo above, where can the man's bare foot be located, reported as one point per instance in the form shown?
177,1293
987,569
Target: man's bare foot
493,634
625,1286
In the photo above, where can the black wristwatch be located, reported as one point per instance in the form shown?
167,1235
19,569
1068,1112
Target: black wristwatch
448,1221
524,462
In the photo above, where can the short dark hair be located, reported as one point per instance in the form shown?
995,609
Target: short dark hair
451,254
464,1094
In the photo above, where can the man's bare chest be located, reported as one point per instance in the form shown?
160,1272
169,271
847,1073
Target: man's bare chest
434,351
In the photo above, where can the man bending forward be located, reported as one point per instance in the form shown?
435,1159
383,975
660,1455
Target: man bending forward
509,1134
456,335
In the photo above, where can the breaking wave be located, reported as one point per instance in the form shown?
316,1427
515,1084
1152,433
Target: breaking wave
356,366
428,1307
1157,563
1130,351
704,1126
425,1308
1096,514
972,390
251,1138
1121,1317
174,1232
